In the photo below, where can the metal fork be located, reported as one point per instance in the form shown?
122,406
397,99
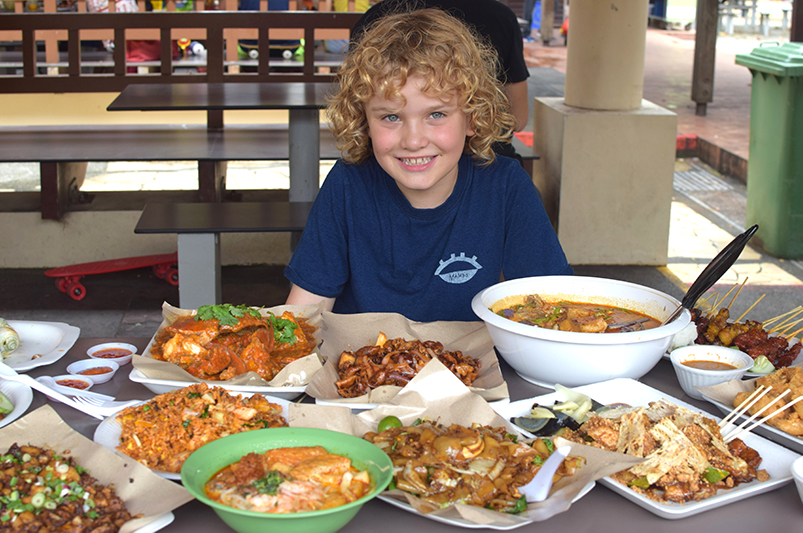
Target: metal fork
104,408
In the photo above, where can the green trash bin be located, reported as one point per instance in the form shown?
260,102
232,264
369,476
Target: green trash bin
775,164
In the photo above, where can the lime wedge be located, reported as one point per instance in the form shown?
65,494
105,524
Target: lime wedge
5,404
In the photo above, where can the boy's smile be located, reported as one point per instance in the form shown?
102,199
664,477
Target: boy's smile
418,143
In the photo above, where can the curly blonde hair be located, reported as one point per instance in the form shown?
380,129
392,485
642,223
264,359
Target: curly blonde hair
450,58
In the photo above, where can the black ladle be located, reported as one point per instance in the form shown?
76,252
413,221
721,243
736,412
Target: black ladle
711,274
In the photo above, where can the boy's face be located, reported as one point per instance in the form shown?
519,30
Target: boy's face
419,144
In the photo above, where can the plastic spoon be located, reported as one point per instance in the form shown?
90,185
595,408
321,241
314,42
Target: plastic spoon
538,488
711,274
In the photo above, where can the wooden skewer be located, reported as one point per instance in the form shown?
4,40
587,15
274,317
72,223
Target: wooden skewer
749,308
758,413
786,327
737,292
785,323
794,333
745,405
777,318
739,434
720,300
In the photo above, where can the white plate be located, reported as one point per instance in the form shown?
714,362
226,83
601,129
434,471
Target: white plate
777,460
160,386
460,522
771,432
160,523
20,395
50,340
107,434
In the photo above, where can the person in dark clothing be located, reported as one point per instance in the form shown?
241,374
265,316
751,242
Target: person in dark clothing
494,21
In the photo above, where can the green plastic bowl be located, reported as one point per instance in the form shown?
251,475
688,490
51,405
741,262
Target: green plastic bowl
207,460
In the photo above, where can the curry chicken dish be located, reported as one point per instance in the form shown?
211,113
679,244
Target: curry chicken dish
164,431
574,316
685,456
477,465
289,480
214,349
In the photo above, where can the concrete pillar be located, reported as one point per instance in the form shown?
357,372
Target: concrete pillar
605,57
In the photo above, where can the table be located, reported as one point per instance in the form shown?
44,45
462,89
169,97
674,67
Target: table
199,226
601,511
302,100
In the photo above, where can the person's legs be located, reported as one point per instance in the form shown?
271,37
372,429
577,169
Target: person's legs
528,16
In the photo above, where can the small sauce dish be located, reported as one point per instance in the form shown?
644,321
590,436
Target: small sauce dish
720,364
119,352
70,381
797,473
97,370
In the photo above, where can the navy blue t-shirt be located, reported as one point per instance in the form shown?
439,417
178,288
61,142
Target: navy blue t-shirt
365,245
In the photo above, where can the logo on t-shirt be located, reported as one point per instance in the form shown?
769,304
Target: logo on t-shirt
450,274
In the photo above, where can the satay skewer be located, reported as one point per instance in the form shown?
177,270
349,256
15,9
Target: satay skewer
750,308
748,402
737,292
796,310
786,323
785,327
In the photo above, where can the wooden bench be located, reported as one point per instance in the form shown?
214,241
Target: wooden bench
55,148
199,225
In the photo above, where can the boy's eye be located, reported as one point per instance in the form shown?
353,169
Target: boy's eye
438,114
391,118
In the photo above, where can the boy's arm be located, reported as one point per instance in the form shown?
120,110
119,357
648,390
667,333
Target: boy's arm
519,103
299,296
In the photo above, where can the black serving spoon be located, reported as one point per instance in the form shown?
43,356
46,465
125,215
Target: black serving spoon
711,274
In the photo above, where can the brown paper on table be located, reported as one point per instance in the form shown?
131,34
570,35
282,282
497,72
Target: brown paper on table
295,374
142,491
352,332
437,394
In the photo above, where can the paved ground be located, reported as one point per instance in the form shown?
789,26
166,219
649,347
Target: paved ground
707,212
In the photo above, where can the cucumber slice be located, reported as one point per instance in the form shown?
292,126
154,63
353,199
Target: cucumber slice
5,404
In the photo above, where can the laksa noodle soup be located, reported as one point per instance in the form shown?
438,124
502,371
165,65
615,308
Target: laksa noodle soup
574,316
289,480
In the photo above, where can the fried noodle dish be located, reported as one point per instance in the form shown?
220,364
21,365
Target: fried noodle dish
289,480
396,362
224,341
748,336
782,380
164,431
686,458
480,465
41,490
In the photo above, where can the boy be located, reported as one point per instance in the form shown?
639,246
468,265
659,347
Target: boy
420,215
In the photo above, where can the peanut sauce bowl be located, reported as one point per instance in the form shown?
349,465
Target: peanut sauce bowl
547,357
208,460
690,378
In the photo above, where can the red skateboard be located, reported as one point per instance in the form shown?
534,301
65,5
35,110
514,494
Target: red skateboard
164,266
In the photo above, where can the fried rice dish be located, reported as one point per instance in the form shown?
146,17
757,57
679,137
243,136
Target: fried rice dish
164,431
41,490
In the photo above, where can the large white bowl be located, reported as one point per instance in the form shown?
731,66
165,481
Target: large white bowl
546,357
